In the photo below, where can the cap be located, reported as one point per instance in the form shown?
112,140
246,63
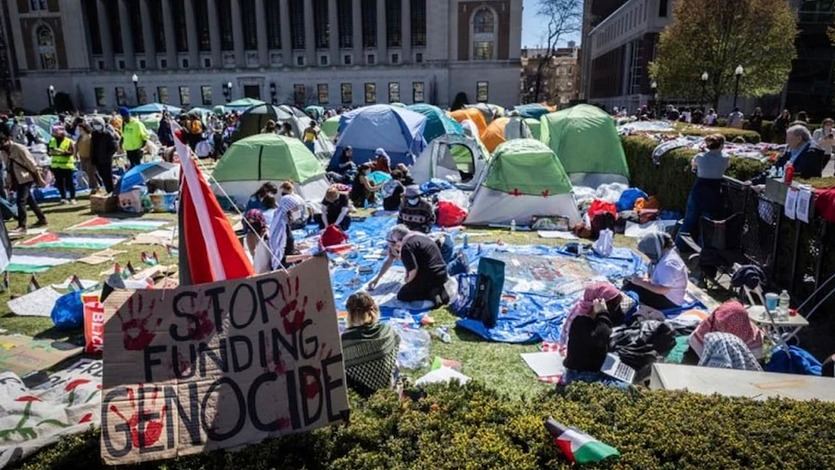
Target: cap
412,190
124,112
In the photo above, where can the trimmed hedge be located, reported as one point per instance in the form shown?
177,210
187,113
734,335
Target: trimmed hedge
671,181
475,428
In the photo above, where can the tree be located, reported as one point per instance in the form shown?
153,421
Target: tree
564,17
716,36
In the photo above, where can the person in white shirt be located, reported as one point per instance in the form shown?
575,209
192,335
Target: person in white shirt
825,138
667,283
735,119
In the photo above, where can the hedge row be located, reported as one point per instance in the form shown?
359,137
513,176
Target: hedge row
672,179
473,427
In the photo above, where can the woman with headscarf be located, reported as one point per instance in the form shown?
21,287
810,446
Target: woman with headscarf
62,151
667,282
730,317
727,351
290,208
256,241
586,334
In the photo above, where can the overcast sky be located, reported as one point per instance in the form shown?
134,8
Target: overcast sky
533,27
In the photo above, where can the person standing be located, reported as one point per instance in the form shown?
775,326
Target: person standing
83,154
735,119
61,150
103,145
825,139
781,124
705,198
166,137
134,136
23,173
309,136
755,122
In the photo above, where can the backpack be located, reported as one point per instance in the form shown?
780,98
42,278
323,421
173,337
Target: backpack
479,294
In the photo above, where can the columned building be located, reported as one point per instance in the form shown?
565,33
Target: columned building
327,52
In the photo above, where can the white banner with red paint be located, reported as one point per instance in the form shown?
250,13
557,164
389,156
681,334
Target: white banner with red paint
68,402
220,365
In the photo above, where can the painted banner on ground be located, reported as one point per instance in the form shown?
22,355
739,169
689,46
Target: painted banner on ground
221,364
68,402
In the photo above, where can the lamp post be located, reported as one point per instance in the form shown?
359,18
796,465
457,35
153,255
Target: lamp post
227,91
50,93
273,92
654,86
135,80
738,73
705,76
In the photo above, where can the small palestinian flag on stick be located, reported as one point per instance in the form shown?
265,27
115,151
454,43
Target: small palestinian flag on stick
579,447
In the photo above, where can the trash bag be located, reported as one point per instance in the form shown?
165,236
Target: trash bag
450,214
603,245
627,199
413,352
456,196
68,312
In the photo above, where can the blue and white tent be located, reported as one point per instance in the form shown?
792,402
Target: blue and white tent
397,130
152,108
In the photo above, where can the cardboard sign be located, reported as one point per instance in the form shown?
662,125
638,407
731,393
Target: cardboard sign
220,365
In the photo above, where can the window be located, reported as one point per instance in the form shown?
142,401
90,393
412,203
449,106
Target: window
345,13
101,100
481,94
346,59
162,94
298,93
321,27
418,15
395,58
38,4
369,23
46,48
100,64
178,11
370,59
394,92
250,26
483,50
419,57
347,93
323,60
185,63
322,93
142,64
141,95
185,96
417,92
112,14
163,63
136,33
121,64
297,24
370,93
201,16
393,26
207,62
483,34
483,21
155,7
300,60
121,99
206,95
91,13
273,24
662,8
224,15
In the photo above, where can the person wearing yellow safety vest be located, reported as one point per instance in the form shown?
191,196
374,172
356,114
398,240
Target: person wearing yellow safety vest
63,162
134,136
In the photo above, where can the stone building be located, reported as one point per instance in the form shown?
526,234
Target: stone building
207,52
560,83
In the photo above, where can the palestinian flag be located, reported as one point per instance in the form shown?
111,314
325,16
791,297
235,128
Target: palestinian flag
577,446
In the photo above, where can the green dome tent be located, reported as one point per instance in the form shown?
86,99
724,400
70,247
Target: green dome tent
534,125
330,126
525,178
253,161
588,145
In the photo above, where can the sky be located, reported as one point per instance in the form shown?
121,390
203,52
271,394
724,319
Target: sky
533,27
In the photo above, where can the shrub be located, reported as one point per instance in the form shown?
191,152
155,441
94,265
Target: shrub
671,181
476,428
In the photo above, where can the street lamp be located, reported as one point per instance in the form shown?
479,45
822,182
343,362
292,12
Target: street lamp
705,76
738,73
273,92
654,86
227,91
135,81
50,92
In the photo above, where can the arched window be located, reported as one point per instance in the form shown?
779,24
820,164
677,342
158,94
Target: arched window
484,27
46,47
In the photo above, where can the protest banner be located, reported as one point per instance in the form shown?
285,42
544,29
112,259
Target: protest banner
220,365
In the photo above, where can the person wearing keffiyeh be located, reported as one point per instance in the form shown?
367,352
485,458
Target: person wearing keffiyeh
730,317
290,208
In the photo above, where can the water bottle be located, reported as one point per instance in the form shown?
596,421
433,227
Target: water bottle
513,225
466,241
783,307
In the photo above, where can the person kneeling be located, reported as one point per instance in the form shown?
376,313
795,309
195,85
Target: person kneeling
426,272
335,208
369,348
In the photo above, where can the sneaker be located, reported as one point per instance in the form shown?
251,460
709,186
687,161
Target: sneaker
18,232
63,202
40,223
73,202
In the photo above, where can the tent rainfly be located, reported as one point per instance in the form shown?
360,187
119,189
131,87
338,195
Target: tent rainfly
396,130
504,129
457,159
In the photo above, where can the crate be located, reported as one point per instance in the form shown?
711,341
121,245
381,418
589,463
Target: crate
103,204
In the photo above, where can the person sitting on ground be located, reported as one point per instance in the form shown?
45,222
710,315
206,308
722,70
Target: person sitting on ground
256,200
806,158
705,199
346,170
586,335
335,208
363,189
392,191
369,348
426,272
730,317
269,207
711,119
735,119
382,161
256,241
270,127
667,284
727,351
416,212
407,175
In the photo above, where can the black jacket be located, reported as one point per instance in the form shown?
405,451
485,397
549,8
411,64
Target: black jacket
809,163
103,145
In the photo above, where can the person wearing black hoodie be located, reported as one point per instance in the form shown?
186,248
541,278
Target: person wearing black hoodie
103,145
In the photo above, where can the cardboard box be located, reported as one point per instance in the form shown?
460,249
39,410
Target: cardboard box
103,204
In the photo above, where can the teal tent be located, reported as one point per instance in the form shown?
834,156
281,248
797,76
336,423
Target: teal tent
438,123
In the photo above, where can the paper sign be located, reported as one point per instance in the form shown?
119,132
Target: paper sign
791,203
24,354
220,365
804,200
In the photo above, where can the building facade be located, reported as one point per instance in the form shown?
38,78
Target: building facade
560,82
326,52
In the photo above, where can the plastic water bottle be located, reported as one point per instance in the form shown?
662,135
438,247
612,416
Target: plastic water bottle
466,241
513,225
783,306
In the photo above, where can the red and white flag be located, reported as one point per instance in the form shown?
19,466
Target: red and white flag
209,249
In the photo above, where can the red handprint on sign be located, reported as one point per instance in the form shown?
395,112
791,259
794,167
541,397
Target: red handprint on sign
201,326
136,335
152,429
292,307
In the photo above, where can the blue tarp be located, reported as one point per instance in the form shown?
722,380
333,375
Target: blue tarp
140,174
438,123
533,110
397,130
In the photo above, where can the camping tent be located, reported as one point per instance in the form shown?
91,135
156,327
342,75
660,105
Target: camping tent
525,178
587,142
534,125
504,129
397,130
242,104
315,111
255,118
534,110
437,122
155,108
299,120
457,159
473,114
330,126
253,161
